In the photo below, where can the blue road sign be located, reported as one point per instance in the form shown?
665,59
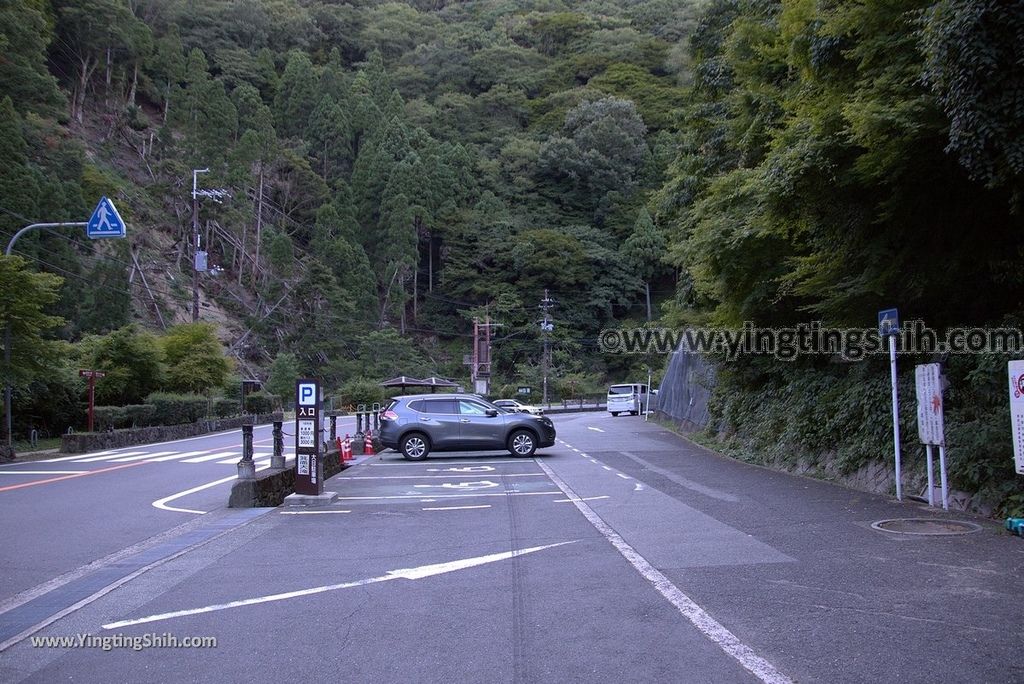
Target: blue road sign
888,322
105,221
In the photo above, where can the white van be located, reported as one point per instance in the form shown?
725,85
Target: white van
631,397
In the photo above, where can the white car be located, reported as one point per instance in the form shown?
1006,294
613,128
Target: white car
513,405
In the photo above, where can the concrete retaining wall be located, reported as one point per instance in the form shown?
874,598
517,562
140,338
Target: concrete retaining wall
271,486
83,442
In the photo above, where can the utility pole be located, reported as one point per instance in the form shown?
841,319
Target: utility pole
198,256
546,327
481,359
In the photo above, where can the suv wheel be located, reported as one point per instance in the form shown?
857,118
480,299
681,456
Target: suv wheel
522,443
414,446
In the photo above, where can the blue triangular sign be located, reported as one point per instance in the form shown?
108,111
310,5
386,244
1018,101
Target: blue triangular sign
105,221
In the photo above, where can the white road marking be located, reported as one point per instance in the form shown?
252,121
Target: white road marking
311,512
410,465
467,469
213,457
69,458
437,496
624,477
180,454
639,487
697,616
606,467
108,457
424,477
162,503
455,508
482,484
595,429
589,498
142,457
420,572
42,472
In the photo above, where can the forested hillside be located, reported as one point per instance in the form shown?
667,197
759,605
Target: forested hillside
393,170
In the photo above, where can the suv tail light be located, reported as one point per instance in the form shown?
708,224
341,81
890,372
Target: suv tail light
389,415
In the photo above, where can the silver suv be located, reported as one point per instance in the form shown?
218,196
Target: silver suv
418,424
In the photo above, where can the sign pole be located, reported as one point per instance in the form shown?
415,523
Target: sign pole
889,327
942,475
931,476
895,416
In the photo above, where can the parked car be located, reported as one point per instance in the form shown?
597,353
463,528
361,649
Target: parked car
518,407
628,398
416,425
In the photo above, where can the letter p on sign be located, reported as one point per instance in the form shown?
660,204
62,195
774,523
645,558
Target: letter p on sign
307,394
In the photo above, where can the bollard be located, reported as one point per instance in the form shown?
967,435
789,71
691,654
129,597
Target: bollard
277,458
246,467
334,429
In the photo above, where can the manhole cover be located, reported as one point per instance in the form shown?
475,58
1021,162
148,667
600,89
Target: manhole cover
926,526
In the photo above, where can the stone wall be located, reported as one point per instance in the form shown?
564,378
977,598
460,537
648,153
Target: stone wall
271,486
84,442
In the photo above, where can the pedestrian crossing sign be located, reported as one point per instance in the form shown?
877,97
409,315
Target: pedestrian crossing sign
105,221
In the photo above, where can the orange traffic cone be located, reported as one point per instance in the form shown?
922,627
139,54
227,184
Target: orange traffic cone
368,449
346,448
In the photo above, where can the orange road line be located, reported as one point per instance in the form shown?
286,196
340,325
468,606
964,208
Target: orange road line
68,477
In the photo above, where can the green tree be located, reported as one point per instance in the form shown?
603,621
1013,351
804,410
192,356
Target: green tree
328,136
132,360
24,35
195,358
643,251
24,297
18,185
89,30
603,150
208,116
972,51
284,371
297,95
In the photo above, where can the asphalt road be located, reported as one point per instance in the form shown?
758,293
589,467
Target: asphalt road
624,553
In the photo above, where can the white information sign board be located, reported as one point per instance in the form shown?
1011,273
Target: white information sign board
930,427
307,433
1016,369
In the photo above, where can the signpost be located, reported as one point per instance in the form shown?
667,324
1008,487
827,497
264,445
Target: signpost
104,222
1016,369
930,424
92,375
309,467
888,327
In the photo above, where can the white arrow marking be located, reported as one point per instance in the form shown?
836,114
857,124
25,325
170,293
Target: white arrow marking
482,484
404,573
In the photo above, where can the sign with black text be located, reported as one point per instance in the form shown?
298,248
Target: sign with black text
308,465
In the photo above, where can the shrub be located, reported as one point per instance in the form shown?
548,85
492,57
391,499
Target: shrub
140,415
355,392
109,417
223,408
175,409
261,402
